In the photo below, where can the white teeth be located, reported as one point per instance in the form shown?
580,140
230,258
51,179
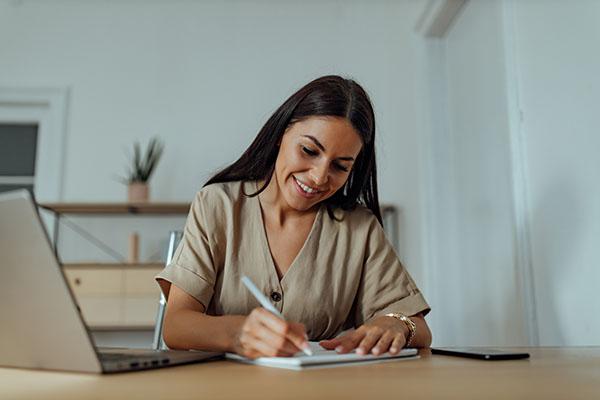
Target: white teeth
307,189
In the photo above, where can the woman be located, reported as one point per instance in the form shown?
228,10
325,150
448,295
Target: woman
299,214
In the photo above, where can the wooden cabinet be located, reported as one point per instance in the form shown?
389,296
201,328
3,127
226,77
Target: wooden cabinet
115,296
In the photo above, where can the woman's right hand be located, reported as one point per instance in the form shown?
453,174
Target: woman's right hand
265,335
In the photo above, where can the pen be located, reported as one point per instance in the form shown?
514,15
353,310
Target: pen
266,304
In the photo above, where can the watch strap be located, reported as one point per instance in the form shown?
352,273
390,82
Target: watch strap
412,327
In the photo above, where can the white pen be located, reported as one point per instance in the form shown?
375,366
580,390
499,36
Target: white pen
266,304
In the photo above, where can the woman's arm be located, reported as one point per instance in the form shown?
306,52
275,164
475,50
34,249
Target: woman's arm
422,337
187,327
259,334
380,335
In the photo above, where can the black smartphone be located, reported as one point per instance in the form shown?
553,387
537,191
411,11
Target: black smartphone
479,353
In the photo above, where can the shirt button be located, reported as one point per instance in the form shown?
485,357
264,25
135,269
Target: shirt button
276,297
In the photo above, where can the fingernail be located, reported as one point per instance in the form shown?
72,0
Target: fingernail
361,351
339,349
393,349
307,349
375,351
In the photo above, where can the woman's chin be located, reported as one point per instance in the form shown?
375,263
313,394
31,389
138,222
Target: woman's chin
299,203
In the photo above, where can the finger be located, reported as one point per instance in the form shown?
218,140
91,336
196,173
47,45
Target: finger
262,342
350,341
263,349
330,344
397,344
279,345
371,337
297,335
269,319
294,332
383,344
251,346
254,332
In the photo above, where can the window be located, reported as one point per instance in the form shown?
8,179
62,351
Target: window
18,147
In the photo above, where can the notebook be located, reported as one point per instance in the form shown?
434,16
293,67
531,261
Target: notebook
322,358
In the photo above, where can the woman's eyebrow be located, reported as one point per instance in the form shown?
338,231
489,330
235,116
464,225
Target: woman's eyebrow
320,146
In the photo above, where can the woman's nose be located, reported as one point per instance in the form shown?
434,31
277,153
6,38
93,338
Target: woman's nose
319,175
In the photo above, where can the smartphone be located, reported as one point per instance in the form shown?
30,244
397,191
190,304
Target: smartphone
479,353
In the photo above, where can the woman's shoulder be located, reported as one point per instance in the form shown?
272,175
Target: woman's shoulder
224,190
220,202
221,193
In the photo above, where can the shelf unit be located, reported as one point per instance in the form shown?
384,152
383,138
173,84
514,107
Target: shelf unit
98,209
114,296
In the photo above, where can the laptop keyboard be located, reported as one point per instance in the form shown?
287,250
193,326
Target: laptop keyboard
133,359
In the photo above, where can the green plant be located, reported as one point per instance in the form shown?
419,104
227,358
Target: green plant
142,166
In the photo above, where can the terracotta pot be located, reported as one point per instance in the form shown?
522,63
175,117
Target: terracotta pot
138,192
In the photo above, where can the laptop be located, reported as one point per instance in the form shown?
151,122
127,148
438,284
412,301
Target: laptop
41,324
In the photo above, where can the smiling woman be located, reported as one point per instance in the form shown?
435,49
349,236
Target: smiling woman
263,217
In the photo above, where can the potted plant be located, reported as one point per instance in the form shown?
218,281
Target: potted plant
141,170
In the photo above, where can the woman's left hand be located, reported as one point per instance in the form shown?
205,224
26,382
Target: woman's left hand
378,336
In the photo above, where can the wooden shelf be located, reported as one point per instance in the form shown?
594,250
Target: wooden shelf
117,208
96,265
134,208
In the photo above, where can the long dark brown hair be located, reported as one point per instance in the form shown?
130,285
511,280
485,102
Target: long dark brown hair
329,95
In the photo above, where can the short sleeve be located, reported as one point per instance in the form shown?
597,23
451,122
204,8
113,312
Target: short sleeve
386,286
193,267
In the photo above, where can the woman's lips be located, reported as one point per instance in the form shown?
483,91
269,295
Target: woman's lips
301,191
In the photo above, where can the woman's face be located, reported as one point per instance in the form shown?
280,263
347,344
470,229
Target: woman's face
315,158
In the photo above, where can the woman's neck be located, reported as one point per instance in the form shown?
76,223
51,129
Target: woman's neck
275,205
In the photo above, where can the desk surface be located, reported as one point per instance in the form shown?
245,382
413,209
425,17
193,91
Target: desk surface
551,373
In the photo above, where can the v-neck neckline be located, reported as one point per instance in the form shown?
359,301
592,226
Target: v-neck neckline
267,247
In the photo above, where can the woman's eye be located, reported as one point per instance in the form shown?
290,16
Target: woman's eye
340,167
309,151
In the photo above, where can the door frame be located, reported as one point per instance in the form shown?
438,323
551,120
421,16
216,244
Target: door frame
48,107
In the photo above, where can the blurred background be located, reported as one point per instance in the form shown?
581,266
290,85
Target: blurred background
487,137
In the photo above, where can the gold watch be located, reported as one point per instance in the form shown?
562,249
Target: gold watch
412,327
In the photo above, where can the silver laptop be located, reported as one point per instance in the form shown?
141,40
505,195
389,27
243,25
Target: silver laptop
40,322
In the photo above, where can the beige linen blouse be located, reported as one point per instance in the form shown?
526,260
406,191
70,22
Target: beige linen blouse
346,272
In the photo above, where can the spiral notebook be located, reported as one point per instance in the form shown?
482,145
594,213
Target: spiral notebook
322,358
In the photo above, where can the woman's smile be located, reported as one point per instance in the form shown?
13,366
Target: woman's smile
305,190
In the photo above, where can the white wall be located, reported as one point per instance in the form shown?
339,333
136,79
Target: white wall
515,170
475,271
205,75
558,64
